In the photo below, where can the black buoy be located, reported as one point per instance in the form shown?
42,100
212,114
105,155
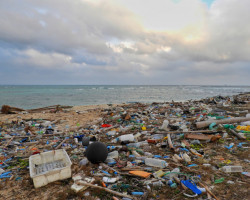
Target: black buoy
97,152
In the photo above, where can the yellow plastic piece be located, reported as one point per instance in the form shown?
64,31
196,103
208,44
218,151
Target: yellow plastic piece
243,128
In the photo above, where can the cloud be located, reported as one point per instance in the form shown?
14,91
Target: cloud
125,41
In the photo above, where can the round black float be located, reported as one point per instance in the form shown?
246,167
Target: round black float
97,152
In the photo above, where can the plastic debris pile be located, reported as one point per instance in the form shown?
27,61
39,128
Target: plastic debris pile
172,150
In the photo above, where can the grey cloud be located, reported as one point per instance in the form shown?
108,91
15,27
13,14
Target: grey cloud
67,25
69,38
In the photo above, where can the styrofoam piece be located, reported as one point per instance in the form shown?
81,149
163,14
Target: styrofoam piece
78,188
77,177
1,171
49,166
109,180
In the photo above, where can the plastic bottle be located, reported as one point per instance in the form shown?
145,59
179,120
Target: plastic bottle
126,128
157,184
148,154
165,125
186,158
136,154
193,151
137,193
137,135
111,133
84,162
113,154
137,144
155,162
174,172
232,169
157,136
247,123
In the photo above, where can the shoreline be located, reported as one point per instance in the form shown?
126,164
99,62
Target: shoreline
102,106
37,97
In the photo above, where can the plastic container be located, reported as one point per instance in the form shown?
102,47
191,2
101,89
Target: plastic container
49,166
230,169
128,137
156,162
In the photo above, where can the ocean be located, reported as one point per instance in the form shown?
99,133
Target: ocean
36,96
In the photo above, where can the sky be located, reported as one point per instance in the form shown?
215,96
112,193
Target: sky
125,42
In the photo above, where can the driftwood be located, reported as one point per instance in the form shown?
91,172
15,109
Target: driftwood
208,191
132,168
222,121
6,109
170,144
61,143
202,137
104,165
174,132
103,188
7,144
56,108
237,134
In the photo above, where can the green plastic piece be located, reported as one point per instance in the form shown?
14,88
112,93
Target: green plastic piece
220,117
219,180
228,126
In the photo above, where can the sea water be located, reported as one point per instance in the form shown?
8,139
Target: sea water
40,96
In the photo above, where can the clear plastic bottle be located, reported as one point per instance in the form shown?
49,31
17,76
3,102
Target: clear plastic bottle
137,144
84,162
165,125
156,162
113,154
136,154
232,169
111,133
137,135
186,158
